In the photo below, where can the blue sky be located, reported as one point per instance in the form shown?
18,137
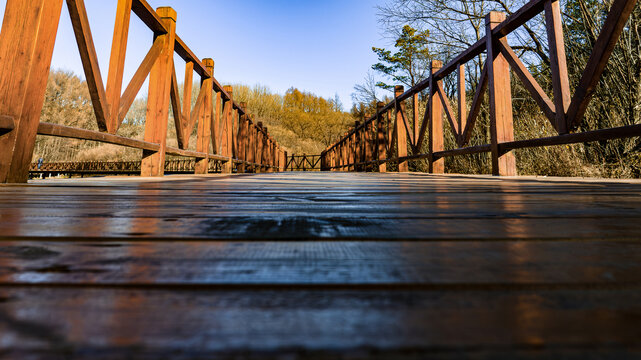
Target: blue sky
318,46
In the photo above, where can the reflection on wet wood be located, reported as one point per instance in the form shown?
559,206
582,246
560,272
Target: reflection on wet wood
312,265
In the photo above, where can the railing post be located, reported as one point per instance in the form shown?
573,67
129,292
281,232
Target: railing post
357,146
153,162
242,139
501,123
435,135
26,46
401,134
235,126
251,148
259,147
367,129
227,131
204,120
380,139
284,157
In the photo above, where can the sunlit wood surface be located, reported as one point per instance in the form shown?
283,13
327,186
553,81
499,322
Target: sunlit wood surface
318,265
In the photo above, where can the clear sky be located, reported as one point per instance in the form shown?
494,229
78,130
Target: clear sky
318,46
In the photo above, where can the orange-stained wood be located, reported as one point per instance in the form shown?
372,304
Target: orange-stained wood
435,137
117,64
380,138
87,50
400,130
462,102
26,45
204,119
153,162
501,123
558,65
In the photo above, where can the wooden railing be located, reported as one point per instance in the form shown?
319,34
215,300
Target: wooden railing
303,163
26,47
371,144
116,167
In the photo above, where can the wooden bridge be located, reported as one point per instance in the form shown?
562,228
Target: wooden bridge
332,264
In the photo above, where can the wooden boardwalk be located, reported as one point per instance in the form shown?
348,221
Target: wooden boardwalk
319,265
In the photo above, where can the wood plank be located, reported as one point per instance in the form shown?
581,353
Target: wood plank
400,130
159,98
26,45
386,263
380,138
501,122
204,120
117,63
75,133
82,30
435,135
321,324
558,65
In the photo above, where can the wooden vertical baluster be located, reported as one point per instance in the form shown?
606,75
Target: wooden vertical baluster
351,158
501,122
382,146
435,129
353,143
153,162
252,145
558,65
283,159
204,122
401,133
227,131
357,146
117,63
265,152
259,147
185,120
217,124
462,103
234,133
242,135
247,140
268,153
367,143
26,46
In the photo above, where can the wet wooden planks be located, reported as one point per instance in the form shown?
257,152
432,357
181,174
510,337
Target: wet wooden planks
317,265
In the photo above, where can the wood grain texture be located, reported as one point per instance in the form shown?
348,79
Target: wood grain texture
159,98
435,121
117,63
26,46
501,121
307,265
87,49
400,130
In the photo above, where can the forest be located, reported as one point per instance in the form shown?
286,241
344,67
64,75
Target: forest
301,122
425,30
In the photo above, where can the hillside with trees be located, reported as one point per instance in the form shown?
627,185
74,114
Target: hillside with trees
301,122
